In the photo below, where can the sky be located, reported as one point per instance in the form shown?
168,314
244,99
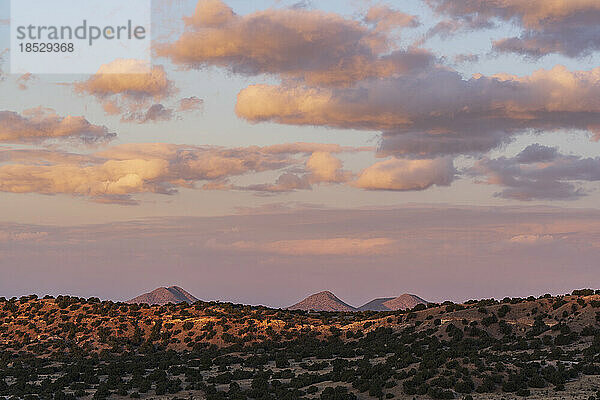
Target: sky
278,148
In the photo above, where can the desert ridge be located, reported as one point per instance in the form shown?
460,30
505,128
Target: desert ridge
327,301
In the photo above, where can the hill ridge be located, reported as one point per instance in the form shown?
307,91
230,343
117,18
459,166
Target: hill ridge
322,301
327,301
164,295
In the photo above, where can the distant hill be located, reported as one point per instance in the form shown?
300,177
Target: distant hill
323,301
163,295
376,305
403,302
327,301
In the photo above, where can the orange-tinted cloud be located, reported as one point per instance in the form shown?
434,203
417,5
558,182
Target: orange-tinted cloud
131,88
531,239
117,173
326,168
24,80
112,179
387,19
320,167
318,47
399,174
437,112
192,103
128,77
40,125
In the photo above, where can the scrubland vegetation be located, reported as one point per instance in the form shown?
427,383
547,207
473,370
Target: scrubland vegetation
67,348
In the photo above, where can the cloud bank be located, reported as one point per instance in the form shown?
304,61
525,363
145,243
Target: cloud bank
437,112
115,174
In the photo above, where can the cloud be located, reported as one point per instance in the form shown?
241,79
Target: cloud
213,13
386,19
31,156
192,103
314,46
537,153
324,167
399,174
115,174
287,182
24,80
531,239
307,148
573,40
127,86
566,27
319,247
155,113
131,88
130,78
320,167
111,179
539,172
437,111
3,53
41,125
466,58
22,236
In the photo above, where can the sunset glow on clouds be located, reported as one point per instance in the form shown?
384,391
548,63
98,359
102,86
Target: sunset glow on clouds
116,173
347,51
395,174
331,105
467,116
357,78
40,124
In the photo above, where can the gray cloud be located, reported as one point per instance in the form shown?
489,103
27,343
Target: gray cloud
566,27
437,111
570,38
466,58
537,153
539,172
155,113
